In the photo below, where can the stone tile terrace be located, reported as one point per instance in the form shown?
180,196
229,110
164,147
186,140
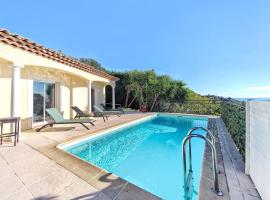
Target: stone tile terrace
36,169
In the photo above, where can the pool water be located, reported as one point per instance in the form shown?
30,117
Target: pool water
147,154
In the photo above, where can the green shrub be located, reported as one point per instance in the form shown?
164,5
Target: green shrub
191,107
201,107
233,116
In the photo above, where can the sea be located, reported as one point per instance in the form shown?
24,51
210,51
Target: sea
253,99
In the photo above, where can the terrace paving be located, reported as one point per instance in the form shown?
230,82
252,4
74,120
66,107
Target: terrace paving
234,183
36,169
240,185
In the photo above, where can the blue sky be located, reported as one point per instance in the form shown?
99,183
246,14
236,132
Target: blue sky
216,47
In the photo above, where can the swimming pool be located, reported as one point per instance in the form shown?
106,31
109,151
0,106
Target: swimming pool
146,153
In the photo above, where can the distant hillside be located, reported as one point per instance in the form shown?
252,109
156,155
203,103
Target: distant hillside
253,99
191,95
223,99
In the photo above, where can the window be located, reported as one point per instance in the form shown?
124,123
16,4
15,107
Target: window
43,98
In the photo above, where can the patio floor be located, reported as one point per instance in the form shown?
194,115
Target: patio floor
36,169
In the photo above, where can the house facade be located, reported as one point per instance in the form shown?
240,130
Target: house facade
33,78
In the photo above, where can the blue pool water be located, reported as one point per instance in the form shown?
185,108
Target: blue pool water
147,154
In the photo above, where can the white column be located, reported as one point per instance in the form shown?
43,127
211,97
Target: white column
113,96
16,90
16,94
71,89
61,97
103,95
89,96
30,99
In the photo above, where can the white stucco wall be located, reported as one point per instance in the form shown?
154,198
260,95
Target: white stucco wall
99,93
258,145
80,97
21,57
70,90
5,89
71,84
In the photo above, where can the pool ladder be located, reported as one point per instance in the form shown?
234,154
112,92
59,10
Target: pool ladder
188,179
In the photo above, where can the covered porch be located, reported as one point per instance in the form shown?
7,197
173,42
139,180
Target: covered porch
32,89
31,83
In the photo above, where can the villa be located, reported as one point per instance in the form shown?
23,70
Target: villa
137,156
33,78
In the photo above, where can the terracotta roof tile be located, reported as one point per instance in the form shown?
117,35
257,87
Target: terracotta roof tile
30,46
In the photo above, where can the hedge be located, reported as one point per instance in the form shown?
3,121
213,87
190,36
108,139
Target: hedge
233,116
200,107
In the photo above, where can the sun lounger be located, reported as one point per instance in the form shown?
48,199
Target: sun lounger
58,119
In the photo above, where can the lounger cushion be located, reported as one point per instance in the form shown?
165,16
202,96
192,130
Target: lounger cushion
55,114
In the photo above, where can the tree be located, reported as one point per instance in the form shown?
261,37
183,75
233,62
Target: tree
93,63
130,83
177,92
157,92
160,88
168,90
147,88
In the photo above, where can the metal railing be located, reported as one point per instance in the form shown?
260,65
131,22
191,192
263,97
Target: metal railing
211,142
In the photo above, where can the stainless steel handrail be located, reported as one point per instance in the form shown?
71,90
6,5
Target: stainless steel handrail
214,159
213,140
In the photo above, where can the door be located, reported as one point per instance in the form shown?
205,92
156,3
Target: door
43,98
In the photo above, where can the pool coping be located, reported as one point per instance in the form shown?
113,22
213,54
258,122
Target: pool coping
111,185
233,181
117,188
100,173
207,181
100,133
188,114
240,185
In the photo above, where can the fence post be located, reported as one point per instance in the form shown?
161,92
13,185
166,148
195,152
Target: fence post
247,147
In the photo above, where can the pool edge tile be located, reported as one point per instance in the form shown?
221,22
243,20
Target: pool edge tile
108,183
133,192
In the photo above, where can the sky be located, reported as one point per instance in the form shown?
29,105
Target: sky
215,47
